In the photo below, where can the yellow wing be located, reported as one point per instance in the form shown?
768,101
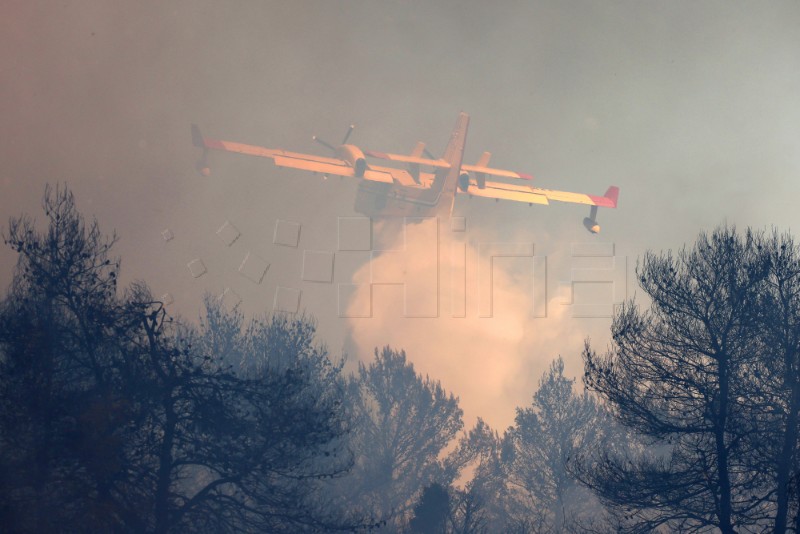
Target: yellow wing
408,159
337,169
535,195
479,169
295,160
477,186
499,190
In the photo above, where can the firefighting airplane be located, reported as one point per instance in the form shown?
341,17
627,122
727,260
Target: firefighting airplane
390,192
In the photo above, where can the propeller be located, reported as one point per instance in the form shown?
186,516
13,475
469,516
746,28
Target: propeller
323,143
347,134
344,140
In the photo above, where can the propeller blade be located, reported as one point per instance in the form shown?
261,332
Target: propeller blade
428,154
323,143
347,135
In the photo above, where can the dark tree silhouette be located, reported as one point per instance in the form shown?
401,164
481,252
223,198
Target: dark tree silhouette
680,374
522,482
115,418
294,399
483,504
401,424
62,419
774,391
468,514
545,437
432,510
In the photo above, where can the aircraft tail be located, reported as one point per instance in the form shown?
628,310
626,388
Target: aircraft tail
446,179
418,150
458,139
609,200
199,141
197,137
612,194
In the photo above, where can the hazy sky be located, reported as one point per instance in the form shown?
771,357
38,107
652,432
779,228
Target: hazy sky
690,107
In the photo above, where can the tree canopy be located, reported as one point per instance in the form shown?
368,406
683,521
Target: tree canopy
707,377
115,417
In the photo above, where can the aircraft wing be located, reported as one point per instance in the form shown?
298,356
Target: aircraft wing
295,160
502,191
535,195
408,159
338,169
609,200
496,172
401,176
479,169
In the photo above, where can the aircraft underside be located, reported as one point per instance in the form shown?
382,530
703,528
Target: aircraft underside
385,200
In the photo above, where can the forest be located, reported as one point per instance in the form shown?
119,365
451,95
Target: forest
117,417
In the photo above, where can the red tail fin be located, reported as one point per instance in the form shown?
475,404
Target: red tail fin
612,194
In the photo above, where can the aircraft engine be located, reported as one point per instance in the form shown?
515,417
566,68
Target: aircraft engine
480,177
463,182
355,157
591,225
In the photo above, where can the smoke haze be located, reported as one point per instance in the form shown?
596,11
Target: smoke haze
690,108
